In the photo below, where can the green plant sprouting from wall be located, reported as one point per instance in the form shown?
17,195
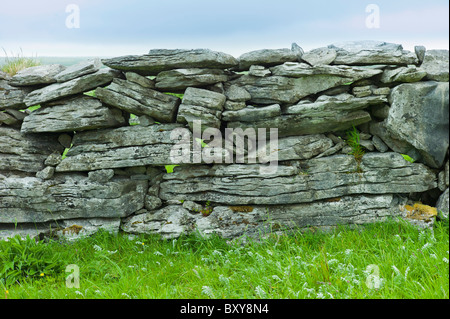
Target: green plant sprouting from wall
358,151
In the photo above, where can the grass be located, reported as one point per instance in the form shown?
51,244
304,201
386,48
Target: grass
354,141
14,64
408,263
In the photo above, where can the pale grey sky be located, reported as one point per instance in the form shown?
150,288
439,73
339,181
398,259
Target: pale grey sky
113,28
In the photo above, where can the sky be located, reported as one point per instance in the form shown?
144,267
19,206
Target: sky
114,28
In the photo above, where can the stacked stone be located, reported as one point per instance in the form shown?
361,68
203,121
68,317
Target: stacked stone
113,175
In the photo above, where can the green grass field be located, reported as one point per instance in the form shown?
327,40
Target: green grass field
382,260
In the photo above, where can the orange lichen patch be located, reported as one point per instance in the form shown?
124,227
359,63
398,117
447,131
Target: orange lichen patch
241,209
74,229
330,200
420,212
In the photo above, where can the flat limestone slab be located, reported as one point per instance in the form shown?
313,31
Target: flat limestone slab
31,200
76,114
307,181
25,152
163,60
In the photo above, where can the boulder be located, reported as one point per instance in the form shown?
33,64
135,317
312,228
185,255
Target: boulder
371,52
141,80
32,200
419,117
79,69
37,75
180,79
139,100
74,114
436,65
79,85
403,74
302,182
159,60
320,56
443,203
26,153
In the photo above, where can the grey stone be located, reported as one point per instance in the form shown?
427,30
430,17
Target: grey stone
234,106
4,76
31,200
419,116
320,56
379,144
79,85
146,120
53,159
403,74
75,114
368,145
36,75
26,153
163,60
65,140
46,173
299,70
8,119
121,147
436,65
266,57
259,71
84,227
297,50
237,94
180,79
139,79
441,181
152,202
301,147
192,206
12,97
251,113
204,105
372,52
20,116
101,176
381,91
326,114
256,221
79,69
306,181
420,52
362,91
138,100
443,203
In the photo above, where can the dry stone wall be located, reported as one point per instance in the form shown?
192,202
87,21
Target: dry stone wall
82,161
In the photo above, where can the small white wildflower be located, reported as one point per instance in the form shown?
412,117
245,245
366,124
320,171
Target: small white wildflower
269,252
97,247
224,280
445,260
275,277
332,261
426,246
171,264
216,252
260,292
403,247
433,256
196,273
98,291
157,253
348,252
112,252
144,269
208,291
320,296
126,295
396,270
130,266
138,243
79,292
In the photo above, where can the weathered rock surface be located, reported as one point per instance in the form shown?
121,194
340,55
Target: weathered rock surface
443,203
141,80
180,79
308,181
436,65
266,57
79,85
42,74
4,76
419,116
204,105
79,69
254,221
327,114
403,74
259,71
163,60
139,100
372,52
75,114
26,153
12,97
237,94
251,113
320,56
31,200
122,147
293,81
